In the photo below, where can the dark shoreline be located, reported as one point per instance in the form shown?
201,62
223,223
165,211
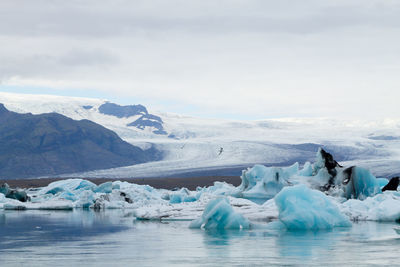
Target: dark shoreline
167,183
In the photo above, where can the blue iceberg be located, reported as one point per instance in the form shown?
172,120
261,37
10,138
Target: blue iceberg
301,208
264,182
106,187
219,214
359,183
382,182
183,195
72,185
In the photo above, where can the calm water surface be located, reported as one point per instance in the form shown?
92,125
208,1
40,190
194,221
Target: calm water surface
114,238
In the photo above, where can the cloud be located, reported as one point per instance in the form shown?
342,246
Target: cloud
258,58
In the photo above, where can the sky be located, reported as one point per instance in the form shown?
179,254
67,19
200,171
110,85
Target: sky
236,59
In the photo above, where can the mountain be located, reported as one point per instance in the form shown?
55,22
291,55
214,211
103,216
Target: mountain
145,119
198,146
53,144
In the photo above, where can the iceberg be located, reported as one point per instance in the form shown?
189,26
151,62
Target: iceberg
307,169
295,198
48,205
359,183
381,207
264,182
183,195
68,184
104,188
301,208
219,188
382,182
17,194
219,214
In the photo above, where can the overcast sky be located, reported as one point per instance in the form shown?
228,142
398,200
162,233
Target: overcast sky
233,59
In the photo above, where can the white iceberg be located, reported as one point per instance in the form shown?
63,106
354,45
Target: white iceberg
382,207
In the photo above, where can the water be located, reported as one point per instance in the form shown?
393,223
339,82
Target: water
114,238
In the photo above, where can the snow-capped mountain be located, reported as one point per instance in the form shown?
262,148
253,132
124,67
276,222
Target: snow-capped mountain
196,146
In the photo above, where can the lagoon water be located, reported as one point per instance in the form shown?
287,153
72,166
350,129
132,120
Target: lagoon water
115,238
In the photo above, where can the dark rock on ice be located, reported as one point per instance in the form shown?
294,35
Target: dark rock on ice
122,111
392,185
17,194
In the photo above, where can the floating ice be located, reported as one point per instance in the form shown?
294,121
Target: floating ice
18,194
307,169
301,208
48,205
68,184
397,230
382,182
264,182
183,195
219,214
104,188
359,183
296,205
382,207
86,199
219,188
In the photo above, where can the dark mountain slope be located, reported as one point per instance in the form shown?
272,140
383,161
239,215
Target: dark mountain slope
145,119
50,144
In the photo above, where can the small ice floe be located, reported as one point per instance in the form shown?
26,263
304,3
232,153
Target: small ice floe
397,230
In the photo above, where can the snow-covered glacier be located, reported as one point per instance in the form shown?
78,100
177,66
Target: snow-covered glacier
319,195
198,147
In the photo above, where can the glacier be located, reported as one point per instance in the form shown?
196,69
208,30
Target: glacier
315,196
193,144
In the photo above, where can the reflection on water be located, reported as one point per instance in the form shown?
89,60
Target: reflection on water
43,228
37,238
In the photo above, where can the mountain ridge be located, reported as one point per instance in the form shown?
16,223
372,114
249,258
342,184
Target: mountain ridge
52,144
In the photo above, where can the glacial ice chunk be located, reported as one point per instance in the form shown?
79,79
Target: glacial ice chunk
2,198
301,208
219,214
360,183
381,207
307,169
264,182
183,195
106,187
68,195
69,184
382,182
48,205
86,200
18,194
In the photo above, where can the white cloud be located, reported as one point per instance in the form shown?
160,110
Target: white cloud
258,58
